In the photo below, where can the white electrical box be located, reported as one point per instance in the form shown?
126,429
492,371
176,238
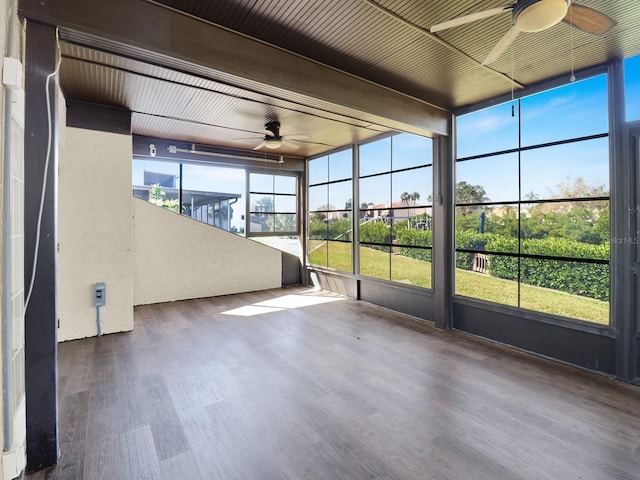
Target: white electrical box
12,73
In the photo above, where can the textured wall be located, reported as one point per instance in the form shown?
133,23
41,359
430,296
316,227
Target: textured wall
95,232
177,258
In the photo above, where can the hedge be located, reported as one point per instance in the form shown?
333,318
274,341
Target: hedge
578,278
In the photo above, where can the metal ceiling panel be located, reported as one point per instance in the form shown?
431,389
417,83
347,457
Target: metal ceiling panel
386,42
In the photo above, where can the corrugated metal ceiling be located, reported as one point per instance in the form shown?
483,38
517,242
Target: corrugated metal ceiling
383,41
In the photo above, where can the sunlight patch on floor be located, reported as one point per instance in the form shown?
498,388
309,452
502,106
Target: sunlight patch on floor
306,299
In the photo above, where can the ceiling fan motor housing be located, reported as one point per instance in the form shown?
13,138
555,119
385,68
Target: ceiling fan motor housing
275,140
538,15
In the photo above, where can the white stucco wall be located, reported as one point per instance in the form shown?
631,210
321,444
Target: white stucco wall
95,231
177,258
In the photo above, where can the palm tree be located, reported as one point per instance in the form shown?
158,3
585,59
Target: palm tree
405,197
414,197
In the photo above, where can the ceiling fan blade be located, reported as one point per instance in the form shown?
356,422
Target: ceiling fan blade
260,145
315,143
507,39
289,144
472,17
589,19
296,136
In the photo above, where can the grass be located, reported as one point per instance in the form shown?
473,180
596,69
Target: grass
375,263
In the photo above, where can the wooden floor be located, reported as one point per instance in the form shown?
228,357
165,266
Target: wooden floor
226,389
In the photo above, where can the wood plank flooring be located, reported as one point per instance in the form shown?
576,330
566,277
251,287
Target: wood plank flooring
334,390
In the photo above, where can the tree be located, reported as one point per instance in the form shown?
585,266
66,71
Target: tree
157,197
467,193
347,204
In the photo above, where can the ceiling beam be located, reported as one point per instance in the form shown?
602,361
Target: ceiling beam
142,27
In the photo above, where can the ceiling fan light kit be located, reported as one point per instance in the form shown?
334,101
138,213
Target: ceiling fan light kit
273,143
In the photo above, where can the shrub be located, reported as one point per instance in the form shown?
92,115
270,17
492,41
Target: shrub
587,279
375,232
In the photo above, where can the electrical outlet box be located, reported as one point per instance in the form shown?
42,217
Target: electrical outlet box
12,73
100,294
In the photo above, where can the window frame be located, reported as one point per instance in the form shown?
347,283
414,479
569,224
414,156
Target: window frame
538,314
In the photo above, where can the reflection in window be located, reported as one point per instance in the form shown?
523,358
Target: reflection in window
210,194
273,203
532,226
330,220
158,183
395,215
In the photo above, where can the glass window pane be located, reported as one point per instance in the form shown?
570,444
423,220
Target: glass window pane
417,232
632,88
412,188
488,179
340,165
261,222
375,261
375,157
318,252
492,229
262,203
574,110
475,277
493,129
567,229
571,289
339,256
318,226
318,170
411,151
340,195
339,226
214,195
579,169
411,266
375,192
375,232
285,184
318,197
285,222
157,182
260,182
285,204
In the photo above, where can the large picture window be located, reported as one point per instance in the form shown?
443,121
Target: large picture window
274,204
395,213
330,211
532,202
217,195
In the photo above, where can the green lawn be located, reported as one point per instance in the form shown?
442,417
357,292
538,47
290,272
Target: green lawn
407,270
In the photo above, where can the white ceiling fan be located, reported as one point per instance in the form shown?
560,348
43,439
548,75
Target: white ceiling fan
274,140
535,16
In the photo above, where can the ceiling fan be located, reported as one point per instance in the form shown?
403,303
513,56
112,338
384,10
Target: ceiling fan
274,140
535,16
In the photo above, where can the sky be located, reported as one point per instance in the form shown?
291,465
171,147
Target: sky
574,110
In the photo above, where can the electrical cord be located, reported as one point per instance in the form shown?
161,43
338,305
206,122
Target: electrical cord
46,171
